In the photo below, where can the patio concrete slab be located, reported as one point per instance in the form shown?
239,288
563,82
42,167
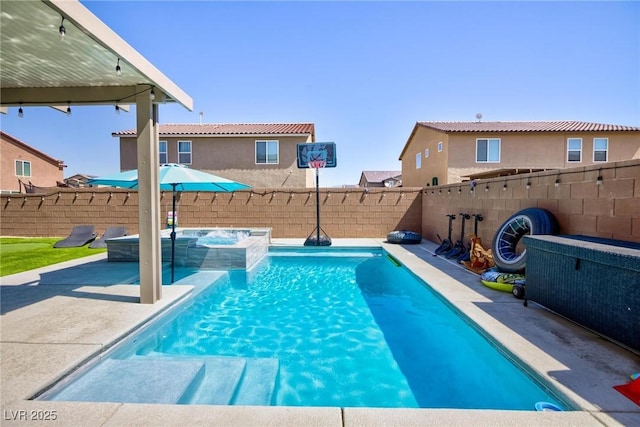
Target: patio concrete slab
249,416
376,417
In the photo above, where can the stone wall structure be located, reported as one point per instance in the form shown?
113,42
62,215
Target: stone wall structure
610,209
289,212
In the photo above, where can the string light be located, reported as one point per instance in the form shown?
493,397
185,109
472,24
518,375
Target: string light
152,95
557,183
504,187
105,101
528,185
118,69
62,30
117,109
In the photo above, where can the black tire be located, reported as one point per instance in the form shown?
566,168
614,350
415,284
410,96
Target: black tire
530,221
518,291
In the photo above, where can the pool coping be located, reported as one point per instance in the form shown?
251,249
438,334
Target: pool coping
54,330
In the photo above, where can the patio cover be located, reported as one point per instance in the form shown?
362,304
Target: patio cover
38,68
496,173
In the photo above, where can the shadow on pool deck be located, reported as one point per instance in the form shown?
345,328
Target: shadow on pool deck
49,328
586,363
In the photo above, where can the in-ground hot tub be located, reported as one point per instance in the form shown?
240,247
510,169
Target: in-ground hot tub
209,248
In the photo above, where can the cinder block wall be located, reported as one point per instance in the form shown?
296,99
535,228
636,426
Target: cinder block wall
610,210
581,206
290,212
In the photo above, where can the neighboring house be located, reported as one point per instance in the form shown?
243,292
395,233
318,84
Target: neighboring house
450,152
78,180
259,155
25,168
380,179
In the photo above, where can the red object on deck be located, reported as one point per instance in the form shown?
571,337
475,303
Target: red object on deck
630,390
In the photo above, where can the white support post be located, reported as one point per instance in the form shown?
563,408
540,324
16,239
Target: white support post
148,198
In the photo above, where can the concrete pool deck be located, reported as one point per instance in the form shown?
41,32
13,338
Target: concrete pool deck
51,321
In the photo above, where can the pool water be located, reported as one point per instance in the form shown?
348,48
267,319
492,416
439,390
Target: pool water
221,237
348,329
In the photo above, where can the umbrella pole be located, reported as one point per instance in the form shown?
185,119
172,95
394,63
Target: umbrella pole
173,232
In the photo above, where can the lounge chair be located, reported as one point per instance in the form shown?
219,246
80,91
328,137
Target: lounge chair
109,233
80,236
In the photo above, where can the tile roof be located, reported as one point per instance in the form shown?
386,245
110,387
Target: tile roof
230,129
542,126
379,176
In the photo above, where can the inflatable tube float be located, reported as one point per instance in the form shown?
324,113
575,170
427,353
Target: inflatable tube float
501,281
404,236
528,221
546,406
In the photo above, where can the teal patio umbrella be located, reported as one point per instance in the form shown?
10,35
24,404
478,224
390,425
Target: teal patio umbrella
175,178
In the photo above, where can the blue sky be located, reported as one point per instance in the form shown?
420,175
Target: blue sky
363,72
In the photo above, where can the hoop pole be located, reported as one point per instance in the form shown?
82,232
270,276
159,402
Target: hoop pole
318,205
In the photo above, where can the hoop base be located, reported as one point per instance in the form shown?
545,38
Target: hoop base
313,239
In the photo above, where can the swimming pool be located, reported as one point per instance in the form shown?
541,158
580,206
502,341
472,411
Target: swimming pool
339,328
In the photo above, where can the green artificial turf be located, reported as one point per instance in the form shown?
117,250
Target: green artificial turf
22,254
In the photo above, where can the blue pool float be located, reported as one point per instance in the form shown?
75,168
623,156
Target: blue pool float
404,236
546,406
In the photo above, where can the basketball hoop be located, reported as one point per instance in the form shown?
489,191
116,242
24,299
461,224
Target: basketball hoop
317,164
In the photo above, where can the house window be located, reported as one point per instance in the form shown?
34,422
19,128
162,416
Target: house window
163,152
440,147
418,161
426,153
267,152
184,152
488,150
600,149
23,168
574,150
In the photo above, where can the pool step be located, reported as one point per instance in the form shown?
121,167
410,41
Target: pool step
221,379
258,382
229,380
138,380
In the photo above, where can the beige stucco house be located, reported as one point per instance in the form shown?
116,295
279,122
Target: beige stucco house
259,155
23,167
450,152
380,179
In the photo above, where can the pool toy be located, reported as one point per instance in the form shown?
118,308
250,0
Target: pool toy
404,236
501,281
630,390
546,406
528,221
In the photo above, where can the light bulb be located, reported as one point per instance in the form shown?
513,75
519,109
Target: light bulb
62,30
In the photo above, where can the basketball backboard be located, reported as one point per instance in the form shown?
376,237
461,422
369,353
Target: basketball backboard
317,151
